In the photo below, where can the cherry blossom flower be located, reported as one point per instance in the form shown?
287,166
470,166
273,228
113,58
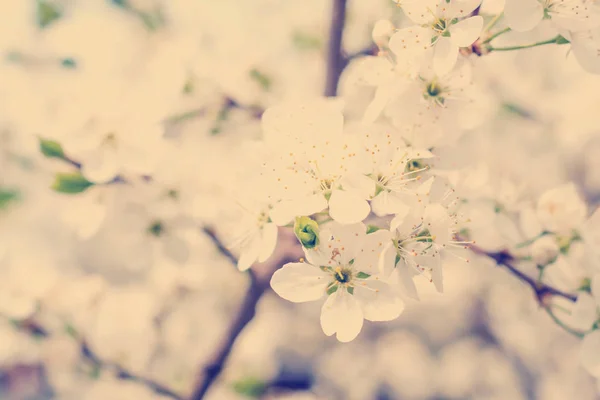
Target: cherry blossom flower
440,26
345,268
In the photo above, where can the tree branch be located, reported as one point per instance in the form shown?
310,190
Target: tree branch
31,327
541,290
335,59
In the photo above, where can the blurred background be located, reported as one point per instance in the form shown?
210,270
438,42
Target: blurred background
116,293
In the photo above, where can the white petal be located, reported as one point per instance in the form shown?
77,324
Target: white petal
378,300
420,11
410,42
584,312
300,282
370,71
339,244
405,277
347,207
269,241
387,260
376,106
589,353
445,56
586,50
342,314
249,254
461,8
368,258
389,203
467,31
176,249
523,15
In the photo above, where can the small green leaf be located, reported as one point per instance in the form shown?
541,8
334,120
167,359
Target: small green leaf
47,13
304,41
120,3
372,228
51,148
263,80
7,196
71,183
332,289
562,40
362,275
250,387
350,289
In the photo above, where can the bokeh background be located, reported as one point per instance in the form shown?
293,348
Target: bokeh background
147,297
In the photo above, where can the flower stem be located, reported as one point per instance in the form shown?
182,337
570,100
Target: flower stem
562,324
493,22
495,35
556,39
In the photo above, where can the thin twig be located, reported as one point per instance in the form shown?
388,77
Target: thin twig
31,327
541,290
335,59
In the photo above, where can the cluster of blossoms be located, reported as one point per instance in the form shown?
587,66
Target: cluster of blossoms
379,185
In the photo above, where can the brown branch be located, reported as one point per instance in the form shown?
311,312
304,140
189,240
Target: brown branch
260,278
335,58
541,290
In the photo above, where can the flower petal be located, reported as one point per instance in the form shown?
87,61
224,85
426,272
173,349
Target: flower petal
300,282
589,353
249,254
523,15
343,315
584,312
347,207
445,56
378,300
420,11
368,258
467,31
269,241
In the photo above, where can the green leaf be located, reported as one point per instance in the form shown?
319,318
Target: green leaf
263,80
71,183
304,41
350,289
7,196
250,387
332,289
47,13
51,148
362,275
372,228
562,40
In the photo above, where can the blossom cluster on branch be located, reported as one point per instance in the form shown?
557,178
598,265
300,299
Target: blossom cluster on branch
173,149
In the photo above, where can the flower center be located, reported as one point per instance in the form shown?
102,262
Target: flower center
342,275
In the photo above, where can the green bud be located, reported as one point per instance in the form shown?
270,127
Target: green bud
51,149
307,232
71,183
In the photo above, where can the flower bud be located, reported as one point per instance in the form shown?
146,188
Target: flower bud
307,232
544,250
382,31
